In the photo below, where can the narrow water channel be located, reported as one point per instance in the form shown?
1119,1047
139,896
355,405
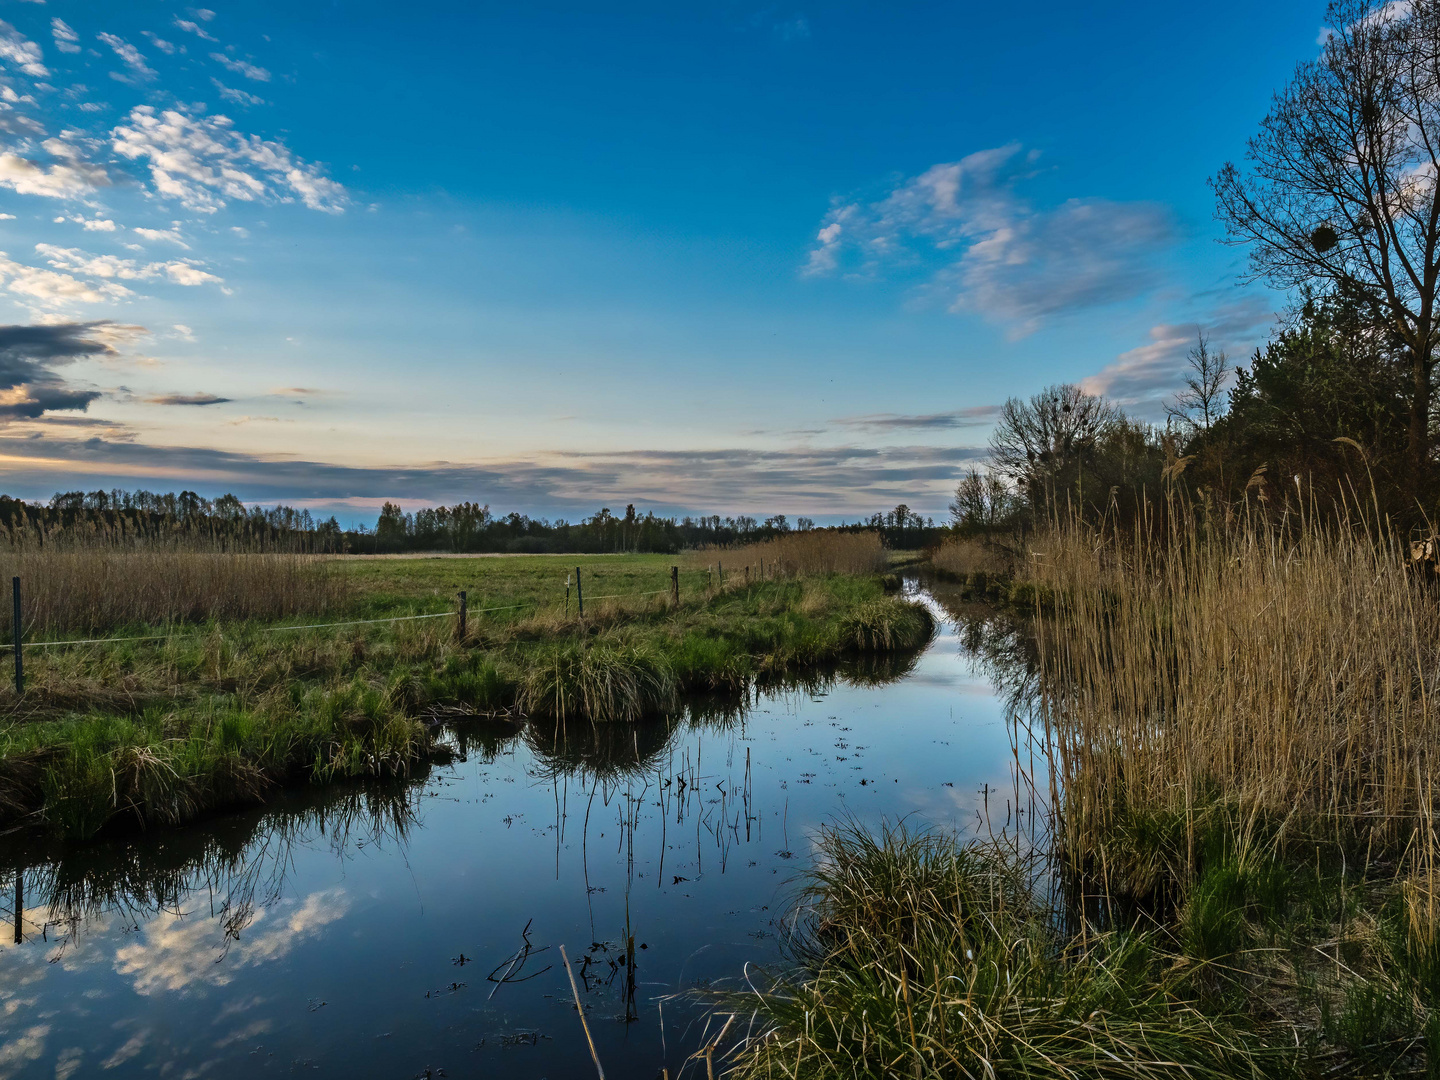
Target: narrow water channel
414,930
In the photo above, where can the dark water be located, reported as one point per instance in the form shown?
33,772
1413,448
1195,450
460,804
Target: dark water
325,934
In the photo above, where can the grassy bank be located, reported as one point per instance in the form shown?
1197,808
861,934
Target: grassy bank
1242,731
160,731
920,956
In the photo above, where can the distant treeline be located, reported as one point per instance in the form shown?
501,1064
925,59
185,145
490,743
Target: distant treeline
468,527
188,521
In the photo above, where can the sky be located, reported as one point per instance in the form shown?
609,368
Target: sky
707,258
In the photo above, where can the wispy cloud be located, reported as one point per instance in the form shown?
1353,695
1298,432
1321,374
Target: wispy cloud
188,399
203,162
66,39
167,47
239,97
841,480
168,236
74,260
131,56
21,53
1142,378
976,416
241,67
989,250
193,28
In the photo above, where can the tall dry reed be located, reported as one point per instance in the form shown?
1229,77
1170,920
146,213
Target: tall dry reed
966,555
1283,671
95,591
805,554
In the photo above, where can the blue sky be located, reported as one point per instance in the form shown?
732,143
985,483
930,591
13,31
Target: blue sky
724,257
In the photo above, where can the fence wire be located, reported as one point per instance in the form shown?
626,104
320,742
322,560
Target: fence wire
10,646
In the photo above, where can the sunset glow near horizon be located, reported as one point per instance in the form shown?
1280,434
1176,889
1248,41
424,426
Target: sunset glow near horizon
714,258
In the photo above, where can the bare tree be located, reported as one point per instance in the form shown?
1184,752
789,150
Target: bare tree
1036,441
1201,402
1341,188
982,502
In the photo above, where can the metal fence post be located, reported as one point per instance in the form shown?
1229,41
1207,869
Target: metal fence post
579,594
462,614
675,584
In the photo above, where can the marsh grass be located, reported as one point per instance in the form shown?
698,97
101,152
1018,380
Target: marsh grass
922,956
604,681
882,626
156,732
1243,733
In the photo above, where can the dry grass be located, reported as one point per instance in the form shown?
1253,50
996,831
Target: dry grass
799,555
86,592
1282,670
963,556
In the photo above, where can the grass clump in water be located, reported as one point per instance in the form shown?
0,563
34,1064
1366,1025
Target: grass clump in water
886,625
602,681
921,956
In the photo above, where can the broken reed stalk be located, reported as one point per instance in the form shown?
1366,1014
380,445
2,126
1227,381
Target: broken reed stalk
708,1050
579,1008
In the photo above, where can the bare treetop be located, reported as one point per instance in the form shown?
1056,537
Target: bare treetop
1035,441
1201,402
1340,188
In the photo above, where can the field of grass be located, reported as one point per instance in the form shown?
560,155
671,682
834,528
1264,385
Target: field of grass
220,712
416,585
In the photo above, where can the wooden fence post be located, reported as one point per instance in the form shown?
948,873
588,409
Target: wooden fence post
18,628
579,594
675,584
462,614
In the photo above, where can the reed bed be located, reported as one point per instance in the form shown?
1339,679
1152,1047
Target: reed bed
805,554
1241,731
95,591
1284,669
962,556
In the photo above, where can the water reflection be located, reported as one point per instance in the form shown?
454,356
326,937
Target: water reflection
416,925
238,865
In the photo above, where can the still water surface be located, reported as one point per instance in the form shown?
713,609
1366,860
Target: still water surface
414,931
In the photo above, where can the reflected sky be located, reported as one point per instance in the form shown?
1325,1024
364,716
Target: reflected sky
413,927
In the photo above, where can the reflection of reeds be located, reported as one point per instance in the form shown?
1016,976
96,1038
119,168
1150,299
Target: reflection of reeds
609,752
